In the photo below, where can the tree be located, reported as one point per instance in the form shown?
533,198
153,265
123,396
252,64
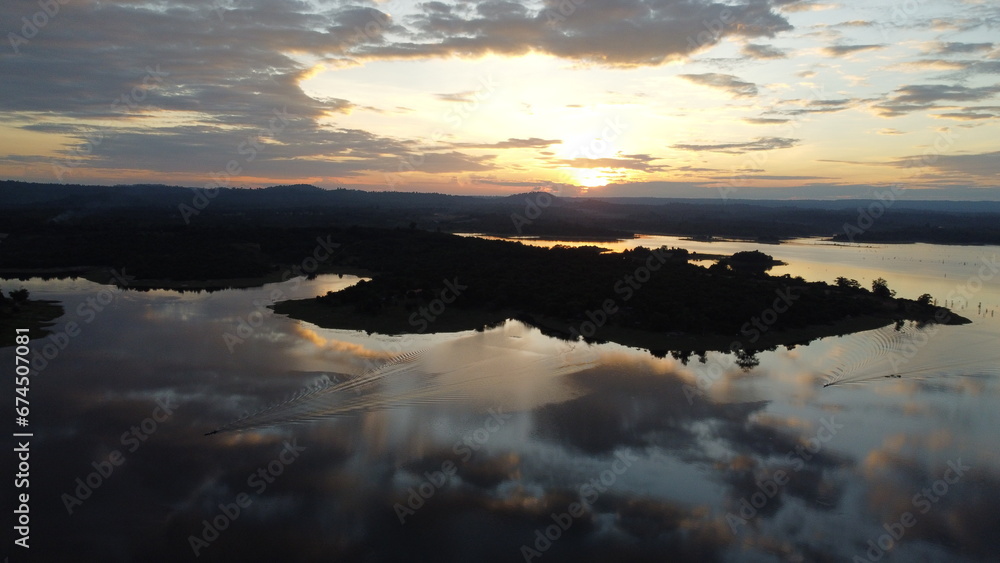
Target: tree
747,360
19,295
751,262
880,288
925,299
847,283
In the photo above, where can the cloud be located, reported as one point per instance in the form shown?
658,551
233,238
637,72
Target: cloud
187,87
727,82
954,24
501,9
755,51
610,33
963,68
773,177
986,165
928,64
168,84
639,162
765,120
852,162
967,115
300,150
759,144
808,7
918,97
226,70
890,131
977,67
953,48
360,25
820,106
845,50
512,143
458,97
854,23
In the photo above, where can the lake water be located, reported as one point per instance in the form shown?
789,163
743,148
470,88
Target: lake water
507,445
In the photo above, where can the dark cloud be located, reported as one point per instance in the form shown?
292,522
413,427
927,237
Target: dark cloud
967,115
218,75
918,97
952,48
986,165
300,149
726,82
226,68
760,144
976,67
501,9
612,33
360,25
175,83
439,7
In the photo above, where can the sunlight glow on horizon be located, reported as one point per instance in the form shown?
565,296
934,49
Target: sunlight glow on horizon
812,103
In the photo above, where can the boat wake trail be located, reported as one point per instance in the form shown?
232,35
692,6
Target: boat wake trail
483,367
907,352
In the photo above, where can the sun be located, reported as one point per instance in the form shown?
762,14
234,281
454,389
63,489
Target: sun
590,177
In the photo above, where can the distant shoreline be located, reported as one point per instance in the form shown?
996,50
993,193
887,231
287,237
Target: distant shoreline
104,276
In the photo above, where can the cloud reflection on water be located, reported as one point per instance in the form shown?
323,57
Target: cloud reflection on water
696,460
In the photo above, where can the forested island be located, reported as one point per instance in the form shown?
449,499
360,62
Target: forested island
649,298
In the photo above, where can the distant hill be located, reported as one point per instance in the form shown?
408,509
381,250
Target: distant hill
926,205
525,214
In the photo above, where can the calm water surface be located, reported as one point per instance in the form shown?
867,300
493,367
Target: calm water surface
507,445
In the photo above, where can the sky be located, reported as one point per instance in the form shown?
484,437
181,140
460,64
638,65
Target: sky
672,98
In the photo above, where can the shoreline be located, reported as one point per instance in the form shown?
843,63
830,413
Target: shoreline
396,322
36,315
548,238
103,276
